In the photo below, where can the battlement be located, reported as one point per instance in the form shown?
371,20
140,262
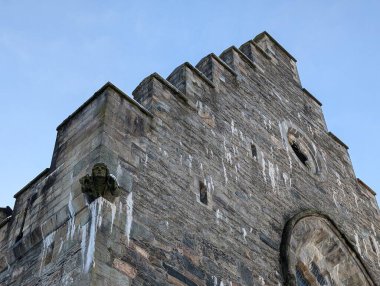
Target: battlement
190,180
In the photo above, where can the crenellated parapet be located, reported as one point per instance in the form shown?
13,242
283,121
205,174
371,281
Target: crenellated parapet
191,181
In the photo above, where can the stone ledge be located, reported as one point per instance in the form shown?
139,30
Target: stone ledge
265,33
311,96
200,74
242,55
221,62
96,94
268,57
38,177
366,186
333,136
5,221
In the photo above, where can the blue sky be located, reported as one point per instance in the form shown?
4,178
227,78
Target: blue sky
56,54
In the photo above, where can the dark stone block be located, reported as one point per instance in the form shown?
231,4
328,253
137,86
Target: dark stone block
246,275
269,242
176,274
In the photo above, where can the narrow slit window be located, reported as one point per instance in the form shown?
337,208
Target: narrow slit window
303,158
203,193
253,151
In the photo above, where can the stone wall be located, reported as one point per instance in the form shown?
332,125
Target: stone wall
209,178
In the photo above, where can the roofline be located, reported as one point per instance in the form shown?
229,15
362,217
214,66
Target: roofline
265,33
100,91
333,136
28,185
312,96
5,221
366,186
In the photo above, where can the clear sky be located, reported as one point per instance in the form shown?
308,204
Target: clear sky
56,54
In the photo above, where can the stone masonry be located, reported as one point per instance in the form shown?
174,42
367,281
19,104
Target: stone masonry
221,174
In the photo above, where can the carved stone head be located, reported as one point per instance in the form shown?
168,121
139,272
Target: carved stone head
100,184
100,170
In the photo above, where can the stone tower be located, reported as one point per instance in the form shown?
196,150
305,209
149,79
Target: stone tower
221,174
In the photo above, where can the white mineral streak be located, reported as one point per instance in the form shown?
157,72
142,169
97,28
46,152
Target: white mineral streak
377,248
218,215
244,233
241,135
71,224
208,184
365,245
190,162
263,166
180,159
221,283
225,173
235,149
287,180
119,171
146,160
89,259
283,130
83,243
60,246
99,218
113,213
128,224
229,158
227,154
215,280
67,280
358,243
272,175
356,200
278,96
334,198
316,156
212,184
262,281
338,179
120,211
46,243
373,229
233,129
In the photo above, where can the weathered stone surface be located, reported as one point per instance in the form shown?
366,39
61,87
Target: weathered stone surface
213,165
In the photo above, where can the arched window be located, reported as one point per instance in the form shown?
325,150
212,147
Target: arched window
314,253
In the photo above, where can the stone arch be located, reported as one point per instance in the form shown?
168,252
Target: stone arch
314,252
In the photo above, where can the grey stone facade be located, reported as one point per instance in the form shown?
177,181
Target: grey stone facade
227,175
